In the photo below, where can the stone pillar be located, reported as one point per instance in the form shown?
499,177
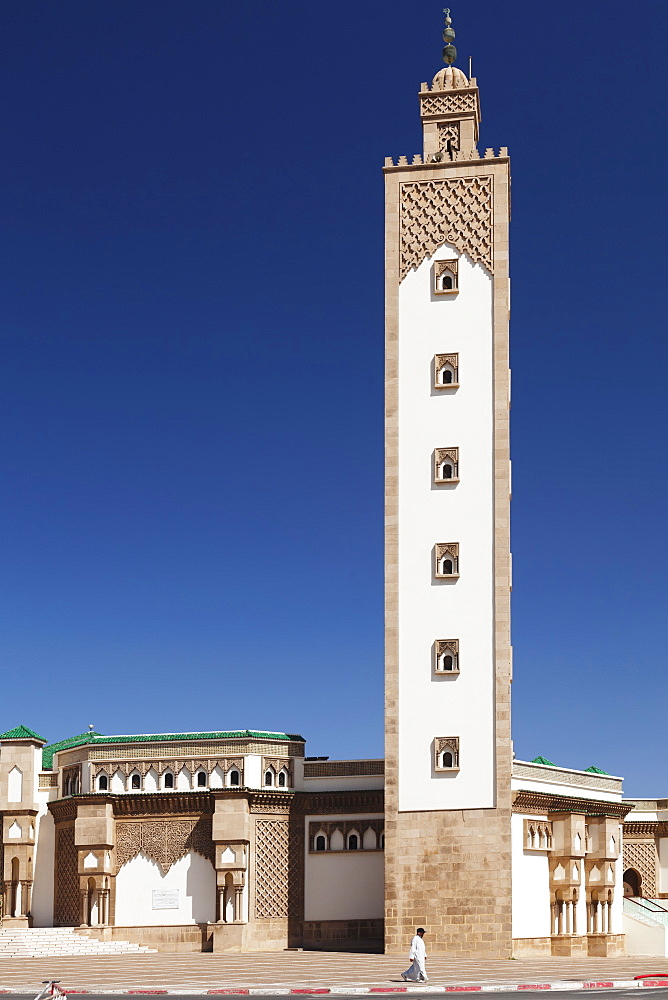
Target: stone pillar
220,895
238,903
83,909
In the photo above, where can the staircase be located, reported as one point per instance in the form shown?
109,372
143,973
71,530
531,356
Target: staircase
645,926
50,942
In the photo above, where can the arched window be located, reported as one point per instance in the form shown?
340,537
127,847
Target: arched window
446,567
201,779
103,783
136,781
234,777
320,843
446,376
353,842
67,787
446,471
269,778
169,779
282,779
447,281
448,662
447,759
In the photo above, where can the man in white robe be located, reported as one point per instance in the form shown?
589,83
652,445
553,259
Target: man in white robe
417,955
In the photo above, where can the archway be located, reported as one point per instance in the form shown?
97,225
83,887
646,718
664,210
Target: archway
632,882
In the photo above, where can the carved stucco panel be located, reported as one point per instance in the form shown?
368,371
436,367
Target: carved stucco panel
457,210
164,841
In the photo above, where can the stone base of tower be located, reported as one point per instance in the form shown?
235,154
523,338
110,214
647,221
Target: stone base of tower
449,872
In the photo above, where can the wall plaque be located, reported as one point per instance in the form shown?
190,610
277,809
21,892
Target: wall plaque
165,899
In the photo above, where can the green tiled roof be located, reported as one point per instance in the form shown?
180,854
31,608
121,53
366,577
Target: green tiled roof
596,770
85,738
543,760
21,733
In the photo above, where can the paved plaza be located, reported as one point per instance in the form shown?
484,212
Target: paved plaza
293,969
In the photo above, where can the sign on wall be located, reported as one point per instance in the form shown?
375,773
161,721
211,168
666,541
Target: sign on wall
165,899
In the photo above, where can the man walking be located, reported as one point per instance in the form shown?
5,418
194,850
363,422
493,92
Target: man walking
417,955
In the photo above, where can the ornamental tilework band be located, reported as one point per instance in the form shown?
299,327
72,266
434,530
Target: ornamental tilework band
164,841
457,211
343,768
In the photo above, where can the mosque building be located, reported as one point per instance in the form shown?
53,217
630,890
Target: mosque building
239,841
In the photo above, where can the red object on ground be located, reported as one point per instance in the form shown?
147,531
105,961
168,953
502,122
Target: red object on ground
652,975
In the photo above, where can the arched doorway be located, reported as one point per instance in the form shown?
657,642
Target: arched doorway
632,882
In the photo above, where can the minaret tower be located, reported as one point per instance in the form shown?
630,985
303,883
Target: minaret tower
447,562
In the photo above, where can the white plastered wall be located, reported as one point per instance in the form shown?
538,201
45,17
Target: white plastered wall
461,706
44,861
192,876
343,885
531,885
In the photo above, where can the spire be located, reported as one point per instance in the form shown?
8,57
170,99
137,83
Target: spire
449,52
450,78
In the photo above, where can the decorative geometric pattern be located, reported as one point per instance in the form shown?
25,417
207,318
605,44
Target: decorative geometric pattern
359,826
343,768
66,903
442,743
566,778
457,211
448,136
641,855
165,841
276,864
454,103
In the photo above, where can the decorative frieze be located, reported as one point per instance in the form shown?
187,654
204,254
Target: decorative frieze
525,801
452,102
455,210
343,768
165,841
345,828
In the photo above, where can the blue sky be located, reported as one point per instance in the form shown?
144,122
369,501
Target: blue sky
192,349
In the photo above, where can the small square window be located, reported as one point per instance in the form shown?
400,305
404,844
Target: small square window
446,656
446,277
446,371
446,560
446,465
446,753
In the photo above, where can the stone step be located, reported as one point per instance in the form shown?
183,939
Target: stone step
51,942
